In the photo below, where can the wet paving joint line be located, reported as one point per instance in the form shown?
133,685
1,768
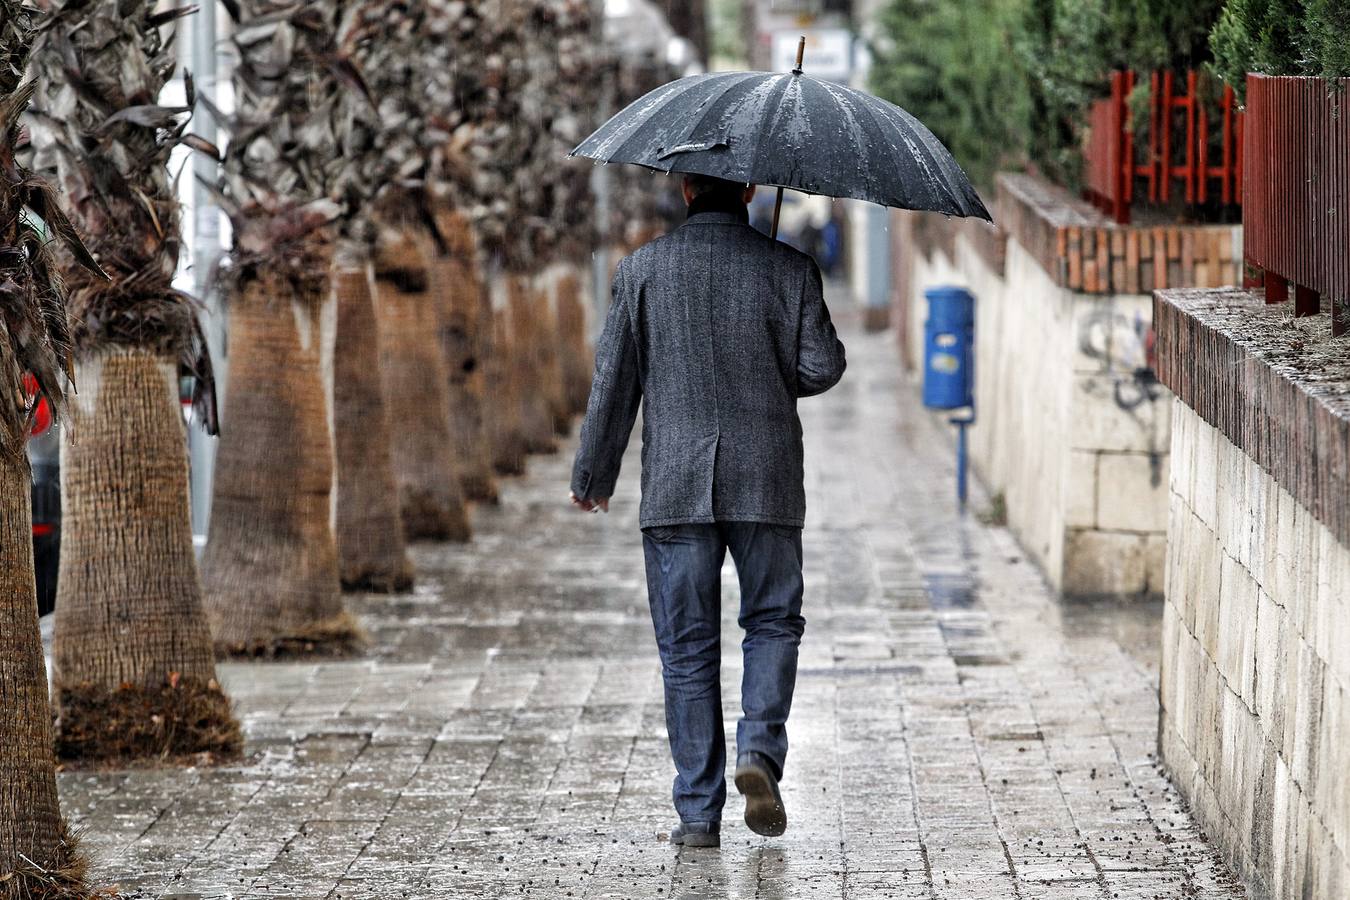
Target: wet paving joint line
304,823
914,803
384,819
1182,865
989,796
233,817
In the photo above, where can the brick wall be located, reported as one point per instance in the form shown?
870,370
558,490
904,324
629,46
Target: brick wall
1085,251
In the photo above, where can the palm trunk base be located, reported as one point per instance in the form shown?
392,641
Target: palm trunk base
510,463
412,357
62,878
466,337
429,518
375,581
577,356
372,547
481,487
186,721
502,412
529,315
339,636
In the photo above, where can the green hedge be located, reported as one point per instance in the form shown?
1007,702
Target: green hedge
1004,82
1282,37
950,64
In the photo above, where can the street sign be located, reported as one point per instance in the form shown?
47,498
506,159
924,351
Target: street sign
829,52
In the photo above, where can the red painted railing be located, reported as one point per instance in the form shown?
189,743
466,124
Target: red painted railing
1296,200
1177,152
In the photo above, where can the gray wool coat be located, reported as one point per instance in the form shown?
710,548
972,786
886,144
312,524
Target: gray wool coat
716,330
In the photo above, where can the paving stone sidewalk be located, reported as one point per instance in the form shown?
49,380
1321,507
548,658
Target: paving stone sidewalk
957,733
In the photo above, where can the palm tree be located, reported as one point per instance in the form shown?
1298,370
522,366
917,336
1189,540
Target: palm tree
571,308
37,854
474,176
400,46
135,668
270,567
467,342
413,362
383,144
371,542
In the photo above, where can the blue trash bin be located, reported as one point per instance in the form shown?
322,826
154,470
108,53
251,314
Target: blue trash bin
948,355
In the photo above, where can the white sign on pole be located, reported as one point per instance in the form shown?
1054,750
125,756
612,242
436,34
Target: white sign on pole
829,52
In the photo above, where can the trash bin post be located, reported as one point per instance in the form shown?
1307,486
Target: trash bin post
948,366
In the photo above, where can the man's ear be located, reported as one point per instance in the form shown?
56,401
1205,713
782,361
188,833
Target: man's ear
749,192
687,191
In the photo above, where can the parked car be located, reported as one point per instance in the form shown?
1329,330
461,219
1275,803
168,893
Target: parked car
44,455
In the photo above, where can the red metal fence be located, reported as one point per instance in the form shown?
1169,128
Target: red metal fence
1296,199
1177,153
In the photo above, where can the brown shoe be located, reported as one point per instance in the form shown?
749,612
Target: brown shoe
764,811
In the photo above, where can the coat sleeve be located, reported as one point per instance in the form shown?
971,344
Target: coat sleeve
820,354
616,393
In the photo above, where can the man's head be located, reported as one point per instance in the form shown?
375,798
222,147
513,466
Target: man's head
728,192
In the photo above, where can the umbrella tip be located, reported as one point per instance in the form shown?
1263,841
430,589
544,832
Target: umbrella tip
801,53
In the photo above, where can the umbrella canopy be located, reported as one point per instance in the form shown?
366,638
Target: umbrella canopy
788,130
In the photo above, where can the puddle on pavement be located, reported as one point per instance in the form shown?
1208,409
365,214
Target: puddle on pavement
950,590
857,671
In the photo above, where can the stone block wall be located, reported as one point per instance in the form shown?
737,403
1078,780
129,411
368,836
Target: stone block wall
1256,669
1255,687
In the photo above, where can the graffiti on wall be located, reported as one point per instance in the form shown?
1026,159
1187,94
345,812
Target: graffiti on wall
1125,348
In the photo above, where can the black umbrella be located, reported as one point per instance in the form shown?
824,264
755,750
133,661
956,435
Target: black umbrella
788,130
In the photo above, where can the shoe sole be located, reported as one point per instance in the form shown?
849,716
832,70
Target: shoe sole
698,840
764,812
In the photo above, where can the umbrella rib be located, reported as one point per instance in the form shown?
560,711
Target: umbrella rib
841,96
675,95
676,91
698,125
770,112
931,163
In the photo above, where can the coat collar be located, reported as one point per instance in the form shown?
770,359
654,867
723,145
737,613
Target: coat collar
711,209
717,218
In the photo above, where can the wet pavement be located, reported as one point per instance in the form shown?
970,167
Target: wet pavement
957,733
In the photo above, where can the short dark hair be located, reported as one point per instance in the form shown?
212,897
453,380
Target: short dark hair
707,185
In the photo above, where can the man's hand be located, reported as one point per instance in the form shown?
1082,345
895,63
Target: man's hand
599,504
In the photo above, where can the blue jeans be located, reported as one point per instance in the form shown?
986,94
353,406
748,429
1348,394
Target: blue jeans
684,565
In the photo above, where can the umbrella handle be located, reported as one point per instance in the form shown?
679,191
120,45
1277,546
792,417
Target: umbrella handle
777,208
778,201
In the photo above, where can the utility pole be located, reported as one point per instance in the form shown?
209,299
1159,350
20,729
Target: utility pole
206,248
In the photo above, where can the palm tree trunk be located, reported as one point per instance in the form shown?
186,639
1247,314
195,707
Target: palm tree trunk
33,836
550,352
372,549
270,567
529,331
505,432
135,669
413,362
577,360
466,339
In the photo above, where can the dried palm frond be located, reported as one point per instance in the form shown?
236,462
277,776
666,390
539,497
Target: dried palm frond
566,47
393,134
524,80
34,332
100,68
286,177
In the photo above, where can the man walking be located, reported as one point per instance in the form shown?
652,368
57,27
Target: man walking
716,330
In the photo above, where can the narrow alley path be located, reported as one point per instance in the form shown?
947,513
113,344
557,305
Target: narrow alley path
958,733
